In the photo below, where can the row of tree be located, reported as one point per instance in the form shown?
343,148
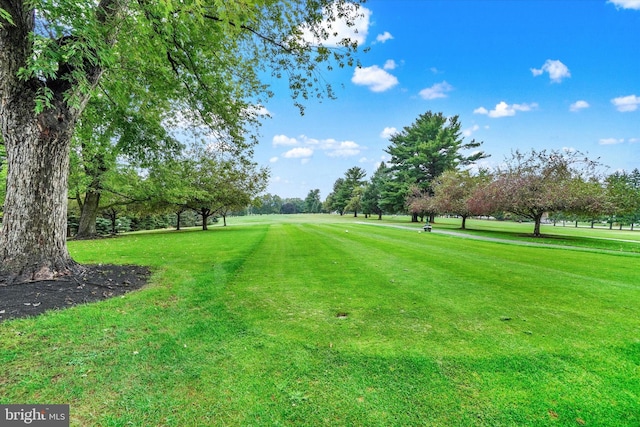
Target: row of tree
429,174
202,181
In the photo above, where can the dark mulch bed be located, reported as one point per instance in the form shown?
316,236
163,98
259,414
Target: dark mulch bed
98,283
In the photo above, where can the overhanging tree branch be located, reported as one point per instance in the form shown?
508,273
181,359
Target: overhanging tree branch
254,32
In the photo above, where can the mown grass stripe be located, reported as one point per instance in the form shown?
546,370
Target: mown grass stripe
300,322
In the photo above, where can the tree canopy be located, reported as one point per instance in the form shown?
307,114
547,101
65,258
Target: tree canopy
421,152
372,196
538,182
453,191
623,197
312,203
203,62
345,189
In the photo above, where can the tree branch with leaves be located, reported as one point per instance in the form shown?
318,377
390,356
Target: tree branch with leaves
56,56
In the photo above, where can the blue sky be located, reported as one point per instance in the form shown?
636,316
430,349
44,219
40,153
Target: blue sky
525,74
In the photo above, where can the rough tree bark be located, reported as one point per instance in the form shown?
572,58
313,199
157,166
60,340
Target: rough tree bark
33,239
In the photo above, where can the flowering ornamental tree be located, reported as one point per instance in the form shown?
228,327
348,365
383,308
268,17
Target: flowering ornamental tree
453,194
532,184
419,203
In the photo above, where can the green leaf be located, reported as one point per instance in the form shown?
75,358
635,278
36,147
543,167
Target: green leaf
5,16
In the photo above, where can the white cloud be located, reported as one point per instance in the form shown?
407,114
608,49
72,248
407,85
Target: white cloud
335,148
626,104
284,140
505,110
273,159
308,146
626,4
388,132
390,64
344,149
384,37
340,29
579,105
468,132
634,140
377,79
556,69
438,90
298,153
610,141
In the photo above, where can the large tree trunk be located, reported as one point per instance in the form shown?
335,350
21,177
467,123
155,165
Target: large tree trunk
34,228
33,236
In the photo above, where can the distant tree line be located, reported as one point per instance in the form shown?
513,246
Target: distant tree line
430,173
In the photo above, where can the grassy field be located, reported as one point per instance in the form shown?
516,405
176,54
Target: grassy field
319,320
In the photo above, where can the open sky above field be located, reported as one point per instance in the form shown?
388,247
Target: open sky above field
520,74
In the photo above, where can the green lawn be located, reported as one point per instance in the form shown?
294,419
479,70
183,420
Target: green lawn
318,320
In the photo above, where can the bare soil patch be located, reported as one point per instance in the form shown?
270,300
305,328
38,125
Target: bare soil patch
97,283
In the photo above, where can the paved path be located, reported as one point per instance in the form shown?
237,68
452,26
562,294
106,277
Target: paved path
506,241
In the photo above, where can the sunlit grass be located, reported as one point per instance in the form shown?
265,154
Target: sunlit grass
319,320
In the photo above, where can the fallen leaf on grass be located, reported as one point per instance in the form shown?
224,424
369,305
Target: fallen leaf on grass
580,421
553,414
